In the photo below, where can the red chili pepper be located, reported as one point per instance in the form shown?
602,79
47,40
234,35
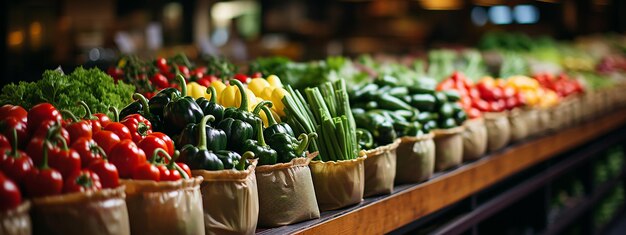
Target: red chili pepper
88,150
14,111
159,80
118,128
78,128
139,126
14,162
107,140
126,156
43,180
10,196
64,159
84,181
241,77
96,125
41,113
7,125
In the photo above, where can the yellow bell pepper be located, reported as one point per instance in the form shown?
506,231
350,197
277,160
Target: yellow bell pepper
257,85
227,96
195,90
266,94
277,100
274,81
219,87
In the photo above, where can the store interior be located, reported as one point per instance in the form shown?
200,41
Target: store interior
527,96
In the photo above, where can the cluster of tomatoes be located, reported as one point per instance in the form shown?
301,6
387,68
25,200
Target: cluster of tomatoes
562,84
42,154
487,95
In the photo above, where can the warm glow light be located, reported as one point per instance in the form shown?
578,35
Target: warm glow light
16,38
487,2
441,4
35,29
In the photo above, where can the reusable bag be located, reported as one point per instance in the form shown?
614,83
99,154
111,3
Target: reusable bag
16,221
448,148
531,116
380,169
415,159
517,120
230,200
498,130
286,193
338,183
474,139
167,207
94,213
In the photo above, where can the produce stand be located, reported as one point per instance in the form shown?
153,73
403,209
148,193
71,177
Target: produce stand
410,204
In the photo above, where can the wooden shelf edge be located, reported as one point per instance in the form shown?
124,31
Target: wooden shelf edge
384,214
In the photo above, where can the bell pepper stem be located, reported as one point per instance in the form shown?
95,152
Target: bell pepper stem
304,143
144,103
244,95
44,162
213,93
70,115
183,85
142,129
270,118
172,164
84,181
241,165
116,113
260,106
101,151
88,114
63,142
166,155
259,132
202,126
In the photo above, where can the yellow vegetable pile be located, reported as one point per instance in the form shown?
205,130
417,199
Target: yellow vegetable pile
534,94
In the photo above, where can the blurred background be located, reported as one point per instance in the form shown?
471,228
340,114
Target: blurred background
43,34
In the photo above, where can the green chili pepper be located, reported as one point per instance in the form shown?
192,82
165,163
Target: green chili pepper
180,111
266,155
211,106
215,138
364,138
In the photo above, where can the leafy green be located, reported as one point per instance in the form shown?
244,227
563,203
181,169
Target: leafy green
63,91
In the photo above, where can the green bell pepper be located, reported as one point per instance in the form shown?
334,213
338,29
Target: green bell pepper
289,147
199,157
215,138
266,155
273,127
237,131
160,100
211,107
180,111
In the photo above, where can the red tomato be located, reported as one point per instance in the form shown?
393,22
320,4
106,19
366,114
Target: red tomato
83,181
161,63
241,77
474,113
184,70
41,113
109,177
445,85
257,75
159,80
126,156
474,94
13,111
511,102
10,196
508,92
146,171
481,105
107,140
204,81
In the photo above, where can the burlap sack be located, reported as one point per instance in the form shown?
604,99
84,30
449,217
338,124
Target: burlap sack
498,130
518,122
380,169
415,159
230,200
16,221
448,147
557,116
545,119
168,207
93,213
286,193
531,116
474,139
577,112
338,183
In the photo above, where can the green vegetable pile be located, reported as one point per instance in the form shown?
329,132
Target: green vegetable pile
326,111
64,91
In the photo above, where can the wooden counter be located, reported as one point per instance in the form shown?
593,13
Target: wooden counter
412,202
